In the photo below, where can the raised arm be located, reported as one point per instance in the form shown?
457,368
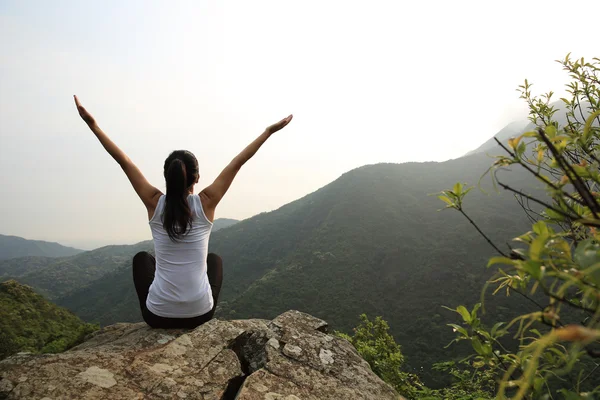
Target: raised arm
148,193
212,195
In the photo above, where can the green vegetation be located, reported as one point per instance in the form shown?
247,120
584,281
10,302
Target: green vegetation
14,247
555,267
374,343
371,242
28,322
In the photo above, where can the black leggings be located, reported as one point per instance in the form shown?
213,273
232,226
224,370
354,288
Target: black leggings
144,266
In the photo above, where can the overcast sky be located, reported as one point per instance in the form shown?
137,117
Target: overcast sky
367,82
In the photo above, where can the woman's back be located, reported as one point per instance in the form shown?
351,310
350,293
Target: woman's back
181,288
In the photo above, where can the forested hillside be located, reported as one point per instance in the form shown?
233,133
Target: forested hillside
28,322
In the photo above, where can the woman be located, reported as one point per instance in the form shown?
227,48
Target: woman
180,288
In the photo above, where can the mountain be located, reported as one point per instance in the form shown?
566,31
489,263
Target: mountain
28,322
372,241
55,277
14,246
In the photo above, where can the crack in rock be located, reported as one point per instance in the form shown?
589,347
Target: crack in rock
6,387
250,349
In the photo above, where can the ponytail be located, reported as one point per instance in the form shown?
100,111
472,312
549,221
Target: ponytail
177,217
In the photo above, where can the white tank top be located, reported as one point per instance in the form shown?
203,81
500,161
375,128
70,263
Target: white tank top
180,288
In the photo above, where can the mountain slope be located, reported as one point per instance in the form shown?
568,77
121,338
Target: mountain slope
14,246
30,323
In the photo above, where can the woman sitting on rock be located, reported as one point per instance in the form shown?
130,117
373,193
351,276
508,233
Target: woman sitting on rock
180,288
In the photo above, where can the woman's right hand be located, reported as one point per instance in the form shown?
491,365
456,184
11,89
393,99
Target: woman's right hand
83,113
279,125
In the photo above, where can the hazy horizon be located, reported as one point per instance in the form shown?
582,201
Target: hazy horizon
367,83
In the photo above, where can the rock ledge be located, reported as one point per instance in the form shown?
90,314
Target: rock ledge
291,357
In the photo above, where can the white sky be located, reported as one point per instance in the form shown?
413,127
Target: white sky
367,82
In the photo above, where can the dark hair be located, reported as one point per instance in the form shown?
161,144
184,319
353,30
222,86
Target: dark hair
181,172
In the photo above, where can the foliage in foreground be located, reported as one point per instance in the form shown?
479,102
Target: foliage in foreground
28,322
374,343
556,267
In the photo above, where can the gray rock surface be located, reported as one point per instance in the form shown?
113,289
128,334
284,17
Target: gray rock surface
289,358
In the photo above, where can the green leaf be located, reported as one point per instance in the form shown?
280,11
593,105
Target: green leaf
541,229
536,248
587,253
521,149
588,124
477,346
533,268
500,260
458,188
446,200
495,328
554,215
474,311
535,332
464,313
459,329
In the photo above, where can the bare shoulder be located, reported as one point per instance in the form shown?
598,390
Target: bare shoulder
207,207
153,204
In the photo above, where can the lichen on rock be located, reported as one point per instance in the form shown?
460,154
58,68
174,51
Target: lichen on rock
291,357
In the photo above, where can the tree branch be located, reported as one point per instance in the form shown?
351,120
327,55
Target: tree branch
481,233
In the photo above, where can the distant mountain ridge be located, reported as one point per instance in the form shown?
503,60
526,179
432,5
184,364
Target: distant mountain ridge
15,246
222,223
